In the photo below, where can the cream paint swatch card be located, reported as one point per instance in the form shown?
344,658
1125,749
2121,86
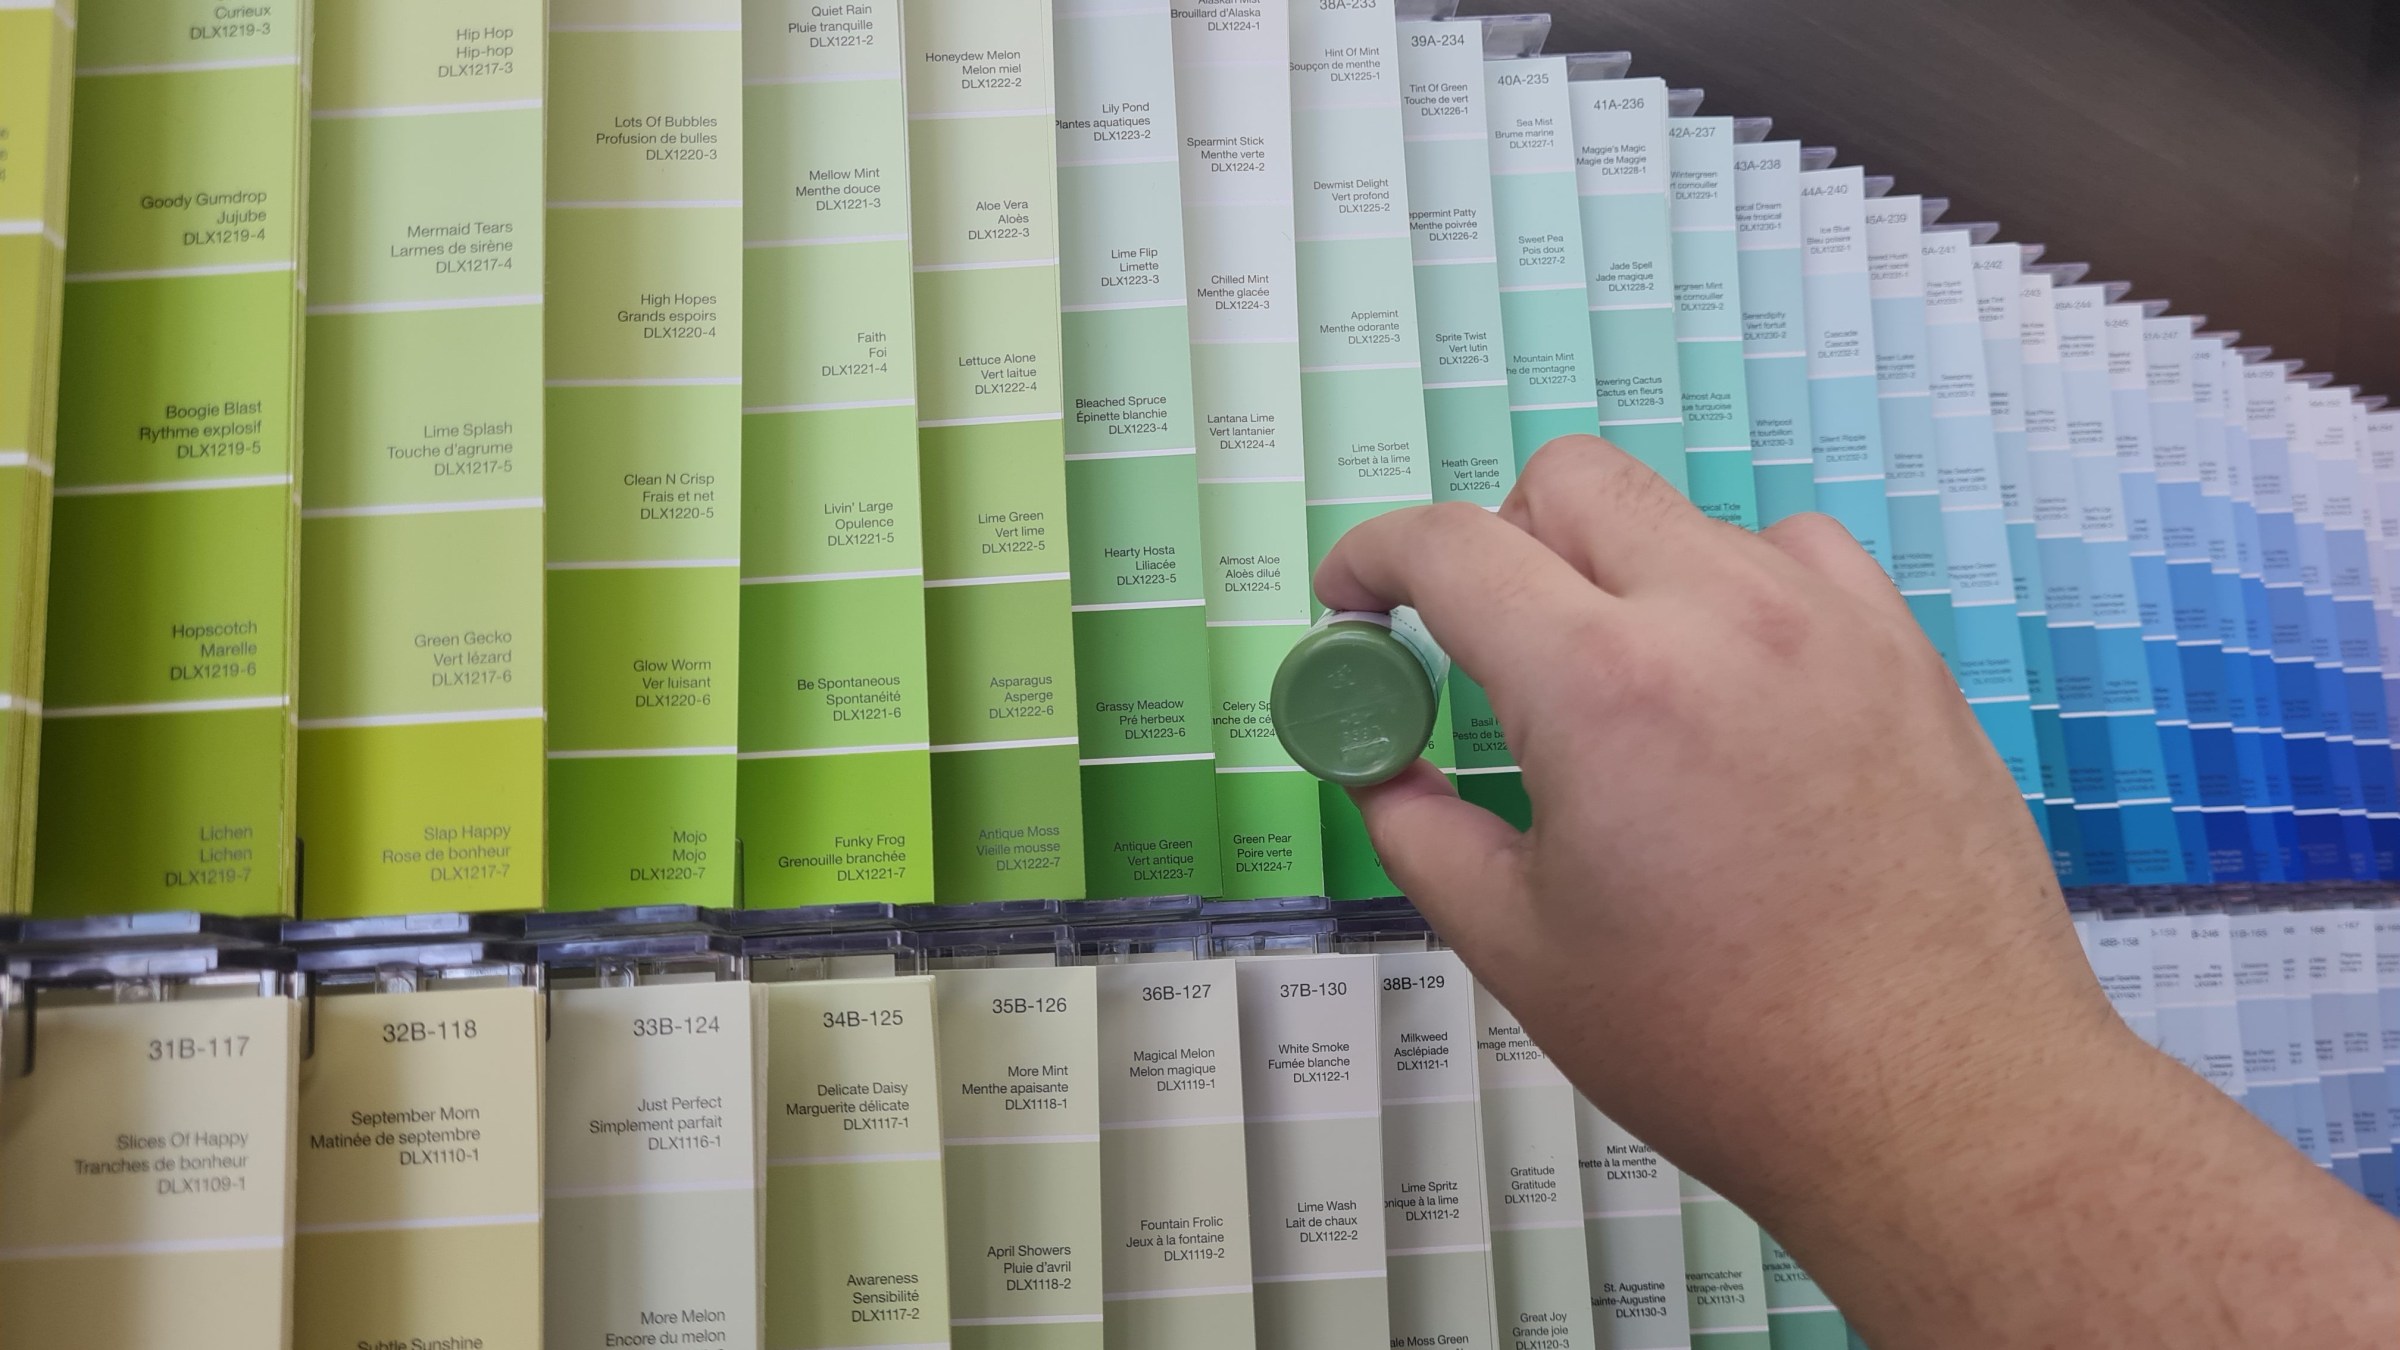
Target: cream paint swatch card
146,1177
650,1171
854,1252
1020,1050
1177,1256
421,1172
1435,1220
1309,1088
1542,1286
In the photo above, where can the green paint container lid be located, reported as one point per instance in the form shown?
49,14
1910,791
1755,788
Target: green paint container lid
1355,699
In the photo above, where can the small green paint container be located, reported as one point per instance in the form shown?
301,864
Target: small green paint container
1355,699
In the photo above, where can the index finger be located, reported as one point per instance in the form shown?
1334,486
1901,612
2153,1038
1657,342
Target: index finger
1490,593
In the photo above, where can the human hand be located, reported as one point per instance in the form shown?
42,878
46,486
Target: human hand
1782,912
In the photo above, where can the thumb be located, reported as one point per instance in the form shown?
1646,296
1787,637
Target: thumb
1456,860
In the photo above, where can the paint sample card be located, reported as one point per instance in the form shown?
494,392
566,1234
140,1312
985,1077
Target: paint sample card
175,532
1436,1215
1133,493
644,367
146,1176
421,509
1175,1234
1633,1224
1845,423
1021,1154
1000,644
1622,178
1540,1279
1311,1090
835,790
37,103
1234,115
1766,187
1704,212
1538,237
1920,564
854,1251
421,1171
650,1179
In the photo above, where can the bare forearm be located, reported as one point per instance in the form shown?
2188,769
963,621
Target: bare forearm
2125,1203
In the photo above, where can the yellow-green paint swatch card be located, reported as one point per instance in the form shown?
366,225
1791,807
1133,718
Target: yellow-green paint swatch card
421,504
835,795
1021,1148
37,85
854,1250
650,1174
421,1171
176,525
146,1175
643,471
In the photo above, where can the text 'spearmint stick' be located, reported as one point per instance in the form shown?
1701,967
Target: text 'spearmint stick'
421,512
420,1211
178,409
1999,288
853,1252
1019,1038
1845,422
644,464
2258,1003
1007,796
1703,212
1314,1135
1540,1276
1988,650
1461,347
1766,186
1133,497
1436,1220
1175,1230
2122,726
833,785
2122,328
1445,132
146,1151
1623,181
1633,1232
1538,234
2360,1053
2084,815
2187,437
1547,334
1234,114
2312,1128
651,1128
37,103
1920,559
2256,421
1360,377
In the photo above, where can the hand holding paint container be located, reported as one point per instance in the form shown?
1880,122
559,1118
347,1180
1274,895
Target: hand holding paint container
1355,699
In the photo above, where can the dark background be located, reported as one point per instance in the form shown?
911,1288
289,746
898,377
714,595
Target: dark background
2240,159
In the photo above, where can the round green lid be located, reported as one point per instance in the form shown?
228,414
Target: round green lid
1353,704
